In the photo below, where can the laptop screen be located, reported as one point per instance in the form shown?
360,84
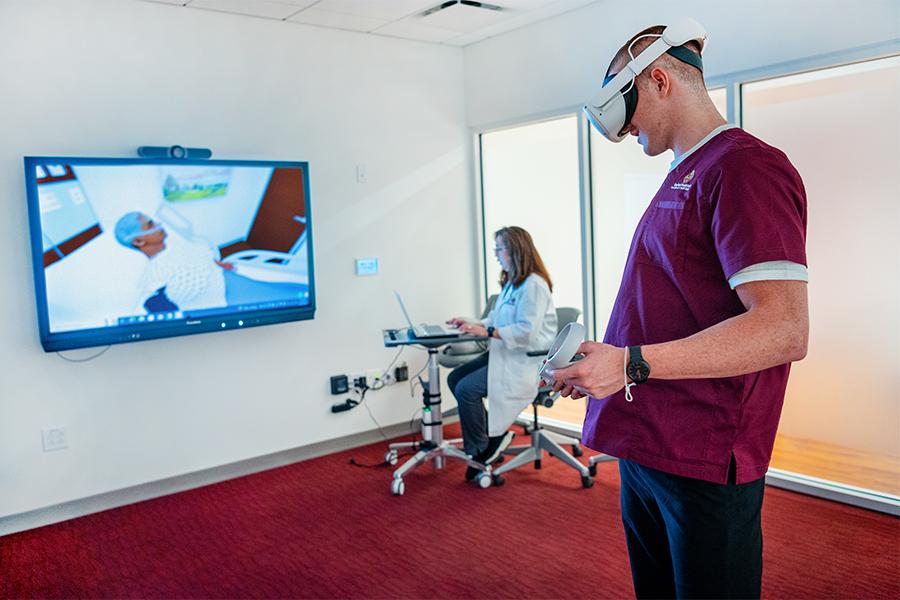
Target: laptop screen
403,308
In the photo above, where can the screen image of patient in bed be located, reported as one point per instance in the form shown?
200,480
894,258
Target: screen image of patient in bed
180,275
168,241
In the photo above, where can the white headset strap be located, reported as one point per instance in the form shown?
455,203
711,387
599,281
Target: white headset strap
650,53
630,71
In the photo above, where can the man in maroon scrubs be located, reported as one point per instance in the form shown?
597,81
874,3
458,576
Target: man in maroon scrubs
688,384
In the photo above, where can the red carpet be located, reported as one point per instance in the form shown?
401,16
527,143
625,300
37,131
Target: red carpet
326,529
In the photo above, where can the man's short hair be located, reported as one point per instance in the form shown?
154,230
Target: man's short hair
685,72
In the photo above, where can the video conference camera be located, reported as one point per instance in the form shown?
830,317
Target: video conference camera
175,151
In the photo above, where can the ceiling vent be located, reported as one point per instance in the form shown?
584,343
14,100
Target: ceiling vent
463,15
450,3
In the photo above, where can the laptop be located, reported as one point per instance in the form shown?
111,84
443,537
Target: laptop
426,331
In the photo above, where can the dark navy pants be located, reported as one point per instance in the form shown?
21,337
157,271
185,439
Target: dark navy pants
468,383
689,538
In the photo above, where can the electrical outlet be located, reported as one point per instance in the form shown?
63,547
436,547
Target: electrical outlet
373,376
54,439
401,372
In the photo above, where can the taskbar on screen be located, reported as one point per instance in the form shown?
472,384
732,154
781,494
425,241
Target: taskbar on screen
177,315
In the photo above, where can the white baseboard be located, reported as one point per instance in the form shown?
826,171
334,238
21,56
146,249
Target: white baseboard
155,489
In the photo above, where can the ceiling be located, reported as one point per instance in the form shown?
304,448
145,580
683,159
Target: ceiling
451,22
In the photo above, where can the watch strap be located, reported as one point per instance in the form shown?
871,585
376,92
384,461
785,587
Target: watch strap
634,354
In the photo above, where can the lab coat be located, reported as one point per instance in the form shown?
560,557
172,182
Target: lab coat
525,318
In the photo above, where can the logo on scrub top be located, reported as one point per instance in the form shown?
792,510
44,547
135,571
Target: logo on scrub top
685,183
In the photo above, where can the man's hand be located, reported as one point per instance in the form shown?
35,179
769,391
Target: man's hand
599,374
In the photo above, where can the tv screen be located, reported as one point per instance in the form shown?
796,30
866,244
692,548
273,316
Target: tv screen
131,249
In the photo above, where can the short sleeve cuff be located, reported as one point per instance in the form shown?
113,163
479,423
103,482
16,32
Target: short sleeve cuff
775,270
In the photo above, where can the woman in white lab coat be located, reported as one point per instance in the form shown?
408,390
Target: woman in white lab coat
523,319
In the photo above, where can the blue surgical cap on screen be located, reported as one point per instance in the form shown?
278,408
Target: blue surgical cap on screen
128,228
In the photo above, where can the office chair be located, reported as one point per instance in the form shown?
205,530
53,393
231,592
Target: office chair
542,439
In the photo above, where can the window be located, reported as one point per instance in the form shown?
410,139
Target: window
841,129
530,179
719,97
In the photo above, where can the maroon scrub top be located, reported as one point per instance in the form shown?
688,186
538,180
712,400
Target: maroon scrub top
734,202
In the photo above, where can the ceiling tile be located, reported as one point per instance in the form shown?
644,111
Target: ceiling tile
256,8
326,18
409,31
457,25
522,4
465,39
387,10
542,13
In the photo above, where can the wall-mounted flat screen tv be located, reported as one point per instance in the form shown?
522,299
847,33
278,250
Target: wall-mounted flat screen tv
132,249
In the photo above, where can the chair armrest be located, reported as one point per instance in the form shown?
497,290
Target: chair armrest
537,352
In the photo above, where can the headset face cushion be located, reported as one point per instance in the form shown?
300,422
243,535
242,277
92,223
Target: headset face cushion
631,100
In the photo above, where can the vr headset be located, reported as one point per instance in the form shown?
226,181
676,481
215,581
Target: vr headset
611,111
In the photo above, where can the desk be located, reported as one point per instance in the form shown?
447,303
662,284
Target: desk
433,446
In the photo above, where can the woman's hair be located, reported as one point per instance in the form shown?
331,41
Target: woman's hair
523,256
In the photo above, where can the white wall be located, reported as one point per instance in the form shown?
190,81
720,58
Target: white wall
101,77
561,62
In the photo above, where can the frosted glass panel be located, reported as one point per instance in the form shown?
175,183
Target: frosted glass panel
720,99
841,129
530,179
623,181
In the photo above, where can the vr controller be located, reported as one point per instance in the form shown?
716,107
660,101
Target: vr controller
563,351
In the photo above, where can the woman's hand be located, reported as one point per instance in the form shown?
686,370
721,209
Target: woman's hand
456,322
600,373
475,329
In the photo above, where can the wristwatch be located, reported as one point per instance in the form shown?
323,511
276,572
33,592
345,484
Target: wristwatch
490,331
638,370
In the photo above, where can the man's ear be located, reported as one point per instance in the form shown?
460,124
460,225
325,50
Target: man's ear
139,242
660,80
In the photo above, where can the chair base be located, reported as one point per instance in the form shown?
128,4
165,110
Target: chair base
428,451
599,458
550,442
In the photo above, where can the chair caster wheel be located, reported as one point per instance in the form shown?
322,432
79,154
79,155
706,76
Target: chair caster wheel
498,480
484,480
576,450
593,470
391,457
586,481
537,464
398,487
